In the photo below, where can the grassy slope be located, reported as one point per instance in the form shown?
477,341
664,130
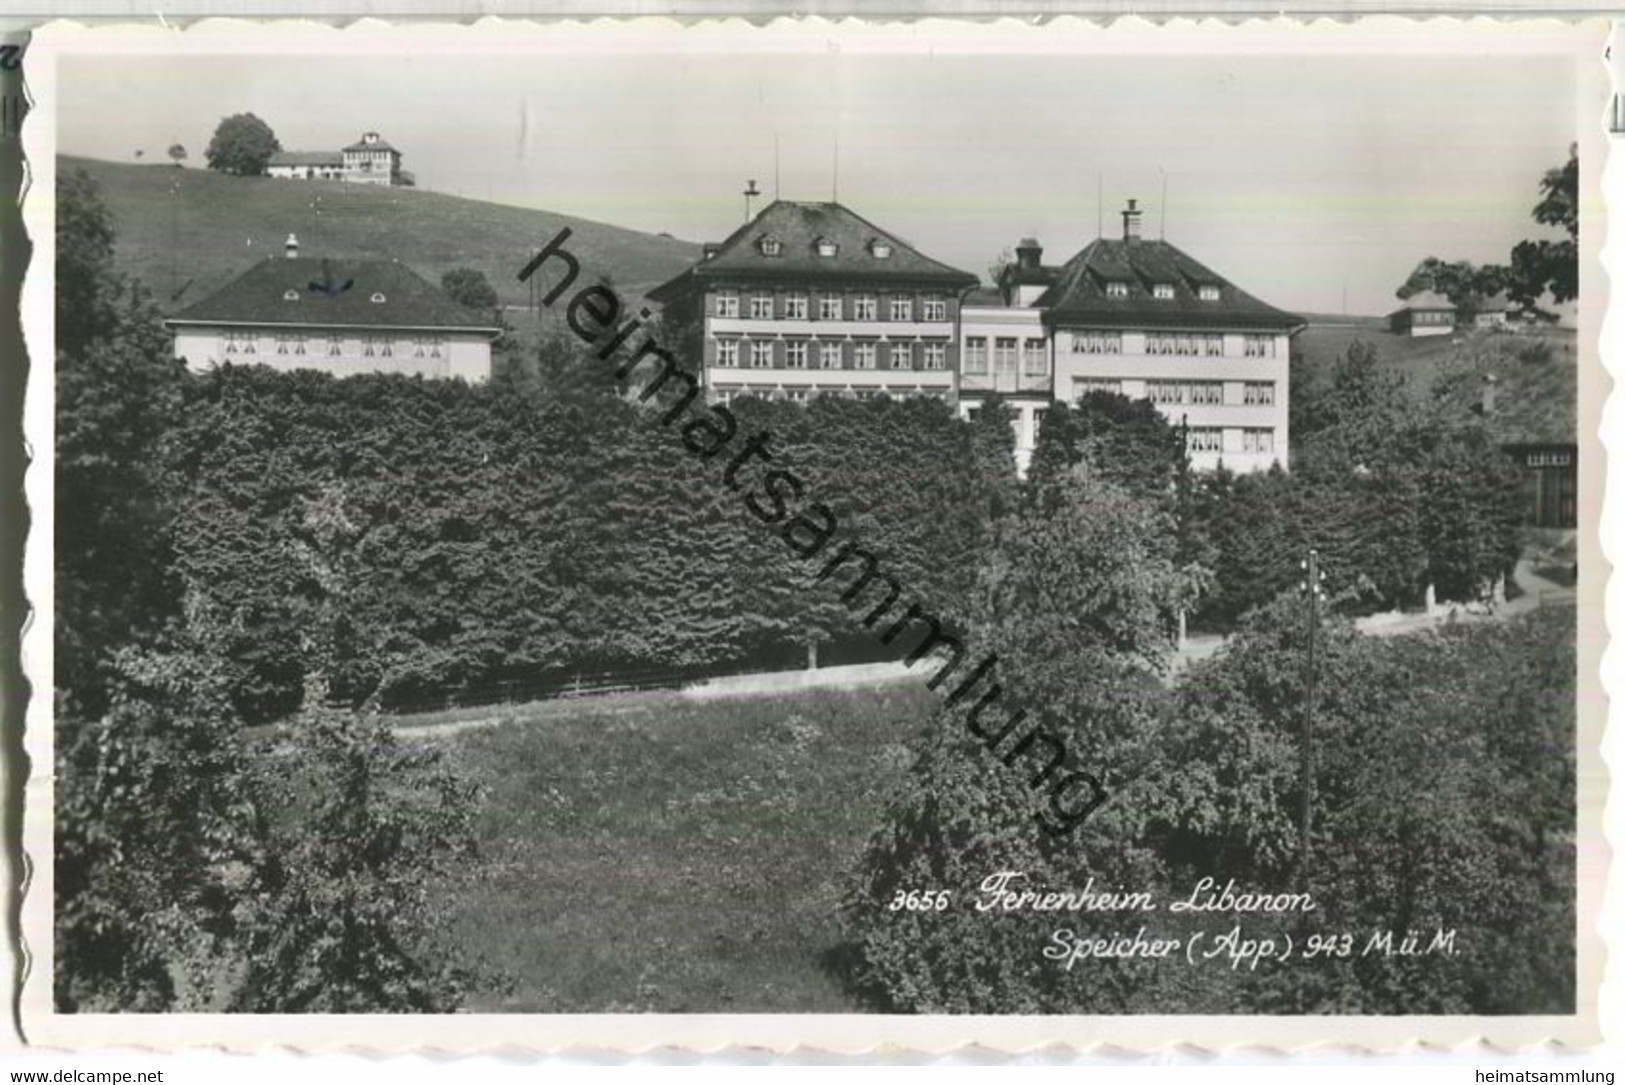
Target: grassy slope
220,225
674,856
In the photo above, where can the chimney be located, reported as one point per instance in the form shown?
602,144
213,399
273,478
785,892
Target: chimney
1131,222
290,247
1487,402
1029,254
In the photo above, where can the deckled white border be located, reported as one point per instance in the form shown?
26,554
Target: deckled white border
786,1032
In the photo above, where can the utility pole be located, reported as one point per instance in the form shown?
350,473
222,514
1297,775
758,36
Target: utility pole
1311,588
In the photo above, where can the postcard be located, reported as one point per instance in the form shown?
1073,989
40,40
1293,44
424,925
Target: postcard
815,534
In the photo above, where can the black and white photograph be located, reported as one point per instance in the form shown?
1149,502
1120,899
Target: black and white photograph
1004,523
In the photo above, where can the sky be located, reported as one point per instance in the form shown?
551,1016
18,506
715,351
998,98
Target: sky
1315,183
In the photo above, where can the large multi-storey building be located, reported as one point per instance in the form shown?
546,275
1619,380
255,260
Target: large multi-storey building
1143,319
341,316
810,298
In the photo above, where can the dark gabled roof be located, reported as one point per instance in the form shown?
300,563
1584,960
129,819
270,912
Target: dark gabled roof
797,227
1079,293
307,158
1426,301
379,144
260,296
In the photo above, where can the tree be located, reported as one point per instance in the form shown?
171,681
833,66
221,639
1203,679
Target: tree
1463,282
117,392
242,145
1126,442
1540,267
177,154
1077,599
469,287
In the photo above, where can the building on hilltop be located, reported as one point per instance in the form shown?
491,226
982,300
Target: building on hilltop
810,298
340,316
1142,319
371,160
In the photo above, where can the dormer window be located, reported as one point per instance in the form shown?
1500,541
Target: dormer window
825,247
378,298
880,249
1163,291
770,246
290,295
1117,289
1208,292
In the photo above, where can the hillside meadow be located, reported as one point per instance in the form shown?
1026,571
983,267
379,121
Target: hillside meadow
186,232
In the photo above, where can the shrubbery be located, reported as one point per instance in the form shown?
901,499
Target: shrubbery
1444,793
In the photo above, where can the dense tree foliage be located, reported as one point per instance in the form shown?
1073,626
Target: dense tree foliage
469,286
242,144
1537,268
196,868
1428,821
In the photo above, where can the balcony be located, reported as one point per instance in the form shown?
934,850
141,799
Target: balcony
1006,383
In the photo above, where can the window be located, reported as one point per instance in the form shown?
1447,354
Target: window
419,347
1116,289
1097,342
902,308
378,298
936,356
1082,386
864,307
1549,459
761,354
761,306
976,354
881,249
386,346
1004,355
290,295
1259,394
863,355
1173,344
795,354
299,343
826,247
1207,393
1205,439
1165,392
728,304
369,346
335,346
829,355
829,307
1258,440
934,308
770,246
1213,346
796,395
436,343
902,355
728,352
1033,362
1208,292
1163,291
795,307
1259,346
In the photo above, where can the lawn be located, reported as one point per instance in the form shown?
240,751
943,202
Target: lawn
663,855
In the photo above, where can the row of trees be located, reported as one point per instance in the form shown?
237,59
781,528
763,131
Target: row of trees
199,866
1398,492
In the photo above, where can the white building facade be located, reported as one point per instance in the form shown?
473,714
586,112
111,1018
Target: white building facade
812,299
1141,319
344,317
